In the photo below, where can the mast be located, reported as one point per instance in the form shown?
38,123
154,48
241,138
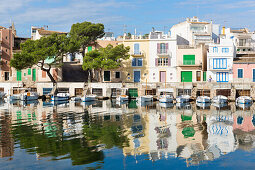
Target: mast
183,86
146,88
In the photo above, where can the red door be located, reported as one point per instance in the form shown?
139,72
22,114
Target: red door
162,76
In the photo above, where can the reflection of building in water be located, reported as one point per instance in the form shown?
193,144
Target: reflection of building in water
244,129
220,134
6,140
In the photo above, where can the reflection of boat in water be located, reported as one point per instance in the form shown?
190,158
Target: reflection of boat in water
204,105
244,100
121,102
122,98
203,99
59,103
243,105
144,103
186,106
220,105
89,98
89,103
166,105
166,99
182,98
29,102
146,98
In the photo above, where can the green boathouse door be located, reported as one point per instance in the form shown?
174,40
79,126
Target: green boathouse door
34,74
186,76
19,75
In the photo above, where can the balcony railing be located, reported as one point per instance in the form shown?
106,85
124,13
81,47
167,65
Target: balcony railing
189,62
164,53
137,54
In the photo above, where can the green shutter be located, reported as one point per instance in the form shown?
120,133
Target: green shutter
29,71
89,48
34,75
188,59
19,75
186,76
204,76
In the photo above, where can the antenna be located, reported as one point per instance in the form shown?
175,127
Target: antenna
124,28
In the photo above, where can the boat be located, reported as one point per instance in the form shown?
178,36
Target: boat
145,98
89,98
203,99
204,105
28,96
121,98
166,99
220,99
14,97
166,105
60,97
244,100
183,99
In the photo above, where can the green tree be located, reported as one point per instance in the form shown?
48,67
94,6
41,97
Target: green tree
105,58
51,48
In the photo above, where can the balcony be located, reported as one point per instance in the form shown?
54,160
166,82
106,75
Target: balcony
164,53
137,54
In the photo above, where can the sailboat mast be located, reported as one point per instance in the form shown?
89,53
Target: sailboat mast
146,88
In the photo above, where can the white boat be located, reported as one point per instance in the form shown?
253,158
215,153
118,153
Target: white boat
244,100
28,96
60,97
203,99
183,99
146,98
121,98
220,99
203,105
166,99
166,105
89,98
14,97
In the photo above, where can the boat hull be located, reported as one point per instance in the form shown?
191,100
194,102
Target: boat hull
59,98
243,100
183,99
145,98
89,98
122,98
165,99
203,99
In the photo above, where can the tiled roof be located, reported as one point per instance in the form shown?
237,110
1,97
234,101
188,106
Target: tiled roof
47,32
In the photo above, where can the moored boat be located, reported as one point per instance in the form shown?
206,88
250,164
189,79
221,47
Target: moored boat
183,99
2,95
166,99
60,97
28,96
244,100
220,99
146,98
89,98
76,98
203,99
121,98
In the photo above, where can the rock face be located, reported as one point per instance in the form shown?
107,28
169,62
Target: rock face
73,72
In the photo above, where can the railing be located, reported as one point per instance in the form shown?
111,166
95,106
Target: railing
137,53
189,62
185,47
164,53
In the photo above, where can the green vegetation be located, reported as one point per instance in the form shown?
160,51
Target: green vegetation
105,59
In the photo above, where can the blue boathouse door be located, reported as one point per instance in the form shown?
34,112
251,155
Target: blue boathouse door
137,76
253,75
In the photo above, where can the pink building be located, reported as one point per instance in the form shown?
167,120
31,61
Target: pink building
244,68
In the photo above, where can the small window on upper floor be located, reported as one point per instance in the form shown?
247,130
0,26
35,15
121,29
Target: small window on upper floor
215,49
225,50
6,50
6,37
117,74
33,31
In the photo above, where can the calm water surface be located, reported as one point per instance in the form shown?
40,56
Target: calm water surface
106,135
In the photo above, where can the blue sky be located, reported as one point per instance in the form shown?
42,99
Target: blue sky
140,14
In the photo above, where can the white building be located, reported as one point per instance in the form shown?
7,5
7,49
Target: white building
220,61
37,33
196,31
162,53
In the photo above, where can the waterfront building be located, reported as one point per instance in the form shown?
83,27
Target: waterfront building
196,31
220,61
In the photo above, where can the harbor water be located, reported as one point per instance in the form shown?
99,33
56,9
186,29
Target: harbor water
130,135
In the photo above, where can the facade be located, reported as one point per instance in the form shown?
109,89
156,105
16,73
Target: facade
191,63
162,64
6,45
244,68
196,31
220,61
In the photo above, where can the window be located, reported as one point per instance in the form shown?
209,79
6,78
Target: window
136,48
29,71
215,49
198,75
43,74
6,37
162,48
163,61
137,62
117,74
240,73
188,59
97,91
225,50
6,76
222,77
33,31
219,63
204,76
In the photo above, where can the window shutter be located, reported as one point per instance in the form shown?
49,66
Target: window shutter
158,48
166,47
169,61
156,62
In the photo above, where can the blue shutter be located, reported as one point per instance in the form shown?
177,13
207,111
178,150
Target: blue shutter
140,62
134,62
240,73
